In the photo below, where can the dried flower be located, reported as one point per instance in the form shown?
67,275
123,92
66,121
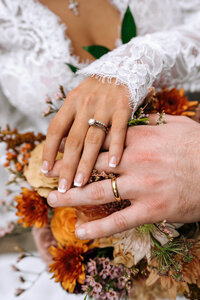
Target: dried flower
19,292
174,102
134,244
68,265
31,208
185,272
35,177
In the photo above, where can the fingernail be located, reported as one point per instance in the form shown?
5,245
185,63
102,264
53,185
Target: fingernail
62,186
45,167
113,162
78,180
80,233
52,198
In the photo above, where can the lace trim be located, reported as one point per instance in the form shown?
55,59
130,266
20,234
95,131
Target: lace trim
149,60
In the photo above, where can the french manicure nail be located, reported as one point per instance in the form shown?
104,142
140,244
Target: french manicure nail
62,185
52,198
113,162
78,180
80,233
45,167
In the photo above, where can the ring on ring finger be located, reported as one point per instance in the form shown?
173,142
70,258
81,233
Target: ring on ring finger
93,122
115,189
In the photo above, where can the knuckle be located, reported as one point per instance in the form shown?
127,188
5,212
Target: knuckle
159,205
87,100
97,191
146,156
73,142
71,95
53,127
120,221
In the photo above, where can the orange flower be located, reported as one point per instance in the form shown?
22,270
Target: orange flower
68,265
10,155
19,167
174,102
63,226
32,209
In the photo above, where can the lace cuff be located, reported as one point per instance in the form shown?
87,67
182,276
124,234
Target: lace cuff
168,58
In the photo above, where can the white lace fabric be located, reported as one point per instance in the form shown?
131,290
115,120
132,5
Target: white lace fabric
34,50
170,57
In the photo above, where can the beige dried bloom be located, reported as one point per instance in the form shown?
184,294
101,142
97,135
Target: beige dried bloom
35,177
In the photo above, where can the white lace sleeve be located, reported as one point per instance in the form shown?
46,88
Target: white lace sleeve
166,58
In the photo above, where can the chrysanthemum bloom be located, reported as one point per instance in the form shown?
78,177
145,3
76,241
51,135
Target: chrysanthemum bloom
68,265
32,209
174,102
63,226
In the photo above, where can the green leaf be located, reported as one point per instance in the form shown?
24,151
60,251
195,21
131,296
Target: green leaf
73,69
128,30
96,50
136,122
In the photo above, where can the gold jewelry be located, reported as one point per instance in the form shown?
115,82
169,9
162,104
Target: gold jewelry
115,190
93,122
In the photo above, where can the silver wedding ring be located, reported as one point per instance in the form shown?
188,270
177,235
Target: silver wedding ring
93,122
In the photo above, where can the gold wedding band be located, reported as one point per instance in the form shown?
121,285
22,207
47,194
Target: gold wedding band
115,190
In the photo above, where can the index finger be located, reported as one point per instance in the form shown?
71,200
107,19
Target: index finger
58,128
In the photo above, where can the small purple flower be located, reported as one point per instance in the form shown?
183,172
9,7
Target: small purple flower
90,281
97,287
84,287
92,267
106,264
121,284
114,273
112,295
104,273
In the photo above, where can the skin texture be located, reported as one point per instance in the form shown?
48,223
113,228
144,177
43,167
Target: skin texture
158,173
105,102
98,23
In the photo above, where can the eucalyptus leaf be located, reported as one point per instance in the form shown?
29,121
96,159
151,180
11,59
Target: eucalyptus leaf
73,68
96,50
128,29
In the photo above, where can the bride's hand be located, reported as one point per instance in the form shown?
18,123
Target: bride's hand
105,102
158,173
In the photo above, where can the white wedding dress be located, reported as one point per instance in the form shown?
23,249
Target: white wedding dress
34,50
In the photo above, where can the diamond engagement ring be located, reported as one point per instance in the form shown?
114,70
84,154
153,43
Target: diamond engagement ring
93,122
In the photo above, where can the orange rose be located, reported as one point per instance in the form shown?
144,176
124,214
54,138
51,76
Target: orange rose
63,226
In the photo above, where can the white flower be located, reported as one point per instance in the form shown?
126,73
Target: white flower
138,242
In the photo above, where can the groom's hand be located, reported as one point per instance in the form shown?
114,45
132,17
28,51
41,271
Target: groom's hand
104,102
158,173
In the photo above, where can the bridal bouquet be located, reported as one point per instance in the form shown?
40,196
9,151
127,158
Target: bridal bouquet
152,261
